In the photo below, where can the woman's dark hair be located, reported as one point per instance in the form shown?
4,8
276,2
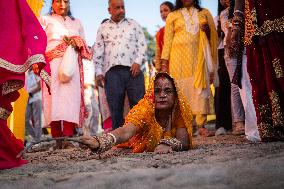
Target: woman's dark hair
231,9
168,4
165,75
68,13
179,4
219,30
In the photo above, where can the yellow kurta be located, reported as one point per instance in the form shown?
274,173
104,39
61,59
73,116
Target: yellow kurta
184,52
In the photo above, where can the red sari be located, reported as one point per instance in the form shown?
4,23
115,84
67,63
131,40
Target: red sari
159,47
264,39
22,44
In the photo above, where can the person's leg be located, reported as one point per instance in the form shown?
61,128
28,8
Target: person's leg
201,120
135,89
37,119
28,123
223,96
237,105
115,93
251,129
56,130
68,129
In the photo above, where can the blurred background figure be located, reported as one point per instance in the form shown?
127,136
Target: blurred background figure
165,8
238,112
91,125
64,109
34,115
119,52
259,23
190,56
222,98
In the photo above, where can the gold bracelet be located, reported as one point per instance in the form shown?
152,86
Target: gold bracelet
174,143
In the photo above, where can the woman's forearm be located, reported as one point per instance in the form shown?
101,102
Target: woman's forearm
124,133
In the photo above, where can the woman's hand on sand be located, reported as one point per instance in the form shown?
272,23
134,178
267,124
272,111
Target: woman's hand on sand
91,142
163,149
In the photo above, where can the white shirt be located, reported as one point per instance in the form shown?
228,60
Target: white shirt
120,43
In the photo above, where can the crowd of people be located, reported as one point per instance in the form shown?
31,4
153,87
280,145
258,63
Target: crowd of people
239,52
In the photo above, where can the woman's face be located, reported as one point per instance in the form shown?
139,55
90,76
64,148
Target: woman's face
225,3
164,11
187,3
165,94
61,7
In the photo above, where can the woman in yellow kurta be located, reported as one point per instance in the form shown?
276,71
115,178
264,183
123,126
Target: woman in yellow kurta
190,54
160,122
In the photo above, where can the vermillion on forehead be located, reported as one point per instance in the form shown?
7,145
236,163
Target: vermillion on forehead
163,82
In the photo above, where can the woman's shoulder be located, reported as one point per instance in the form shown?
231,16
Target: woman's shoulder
175,13
44,20
161,30
46,17
172,16
204,11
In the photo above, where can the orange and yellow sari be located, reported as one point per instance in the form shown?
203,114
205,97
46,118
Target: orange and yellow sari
150,132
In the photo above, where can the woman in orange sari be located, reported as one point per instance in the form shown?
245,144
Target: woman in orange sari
161,122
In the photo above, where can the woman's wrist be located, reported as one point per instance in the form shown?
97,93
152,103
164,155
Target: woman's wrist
174,143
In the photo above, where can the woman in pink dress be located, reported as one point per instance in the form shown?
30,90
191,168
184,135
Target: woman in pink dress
64,109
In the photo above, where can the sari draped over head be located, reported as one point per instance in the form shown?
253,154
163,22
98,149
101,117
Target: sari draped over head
150,132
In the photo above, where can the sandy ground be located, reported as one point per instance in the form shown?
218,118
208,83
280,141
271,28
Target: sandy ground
215,162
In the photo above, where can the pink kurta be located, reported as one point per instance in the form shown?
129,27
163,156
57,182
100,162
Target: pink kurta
65,98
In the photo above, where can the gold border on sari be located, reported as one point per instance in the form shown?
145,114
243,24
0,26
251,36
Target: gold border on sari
252,29
4,114
277,115
11,86
277,68
46,78
22,68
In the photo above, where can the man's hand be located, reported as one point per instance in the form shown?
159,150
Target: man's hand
135,69
100,80
163,149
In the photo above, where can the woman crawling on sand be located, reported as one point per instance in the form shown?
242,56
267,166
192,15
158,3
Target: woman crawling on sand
161,122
